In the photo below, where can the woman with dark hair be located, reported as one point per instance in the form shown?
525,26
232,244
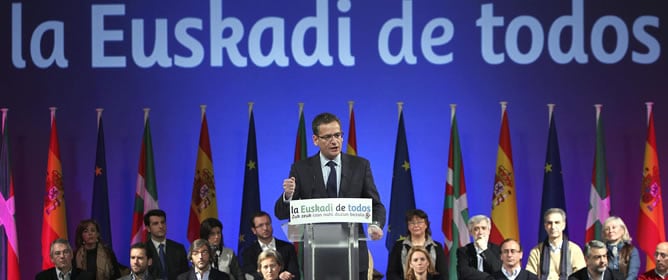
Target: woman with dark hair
92,255
419,234
223,258
419,265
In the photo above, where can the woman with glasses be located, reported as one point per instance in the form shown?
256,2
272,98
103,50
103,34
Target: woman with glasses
269,264
222,258
419,234
419,265
622,255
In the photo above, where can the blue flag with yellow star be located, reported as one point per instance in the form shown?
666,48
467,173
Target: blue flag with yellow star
402,198
553,182
250,203
100,208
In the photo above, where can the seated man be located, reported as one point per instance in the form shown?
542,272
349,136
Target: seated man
511,259
61,257
597,268
200,256
661,269
480,258
261,227
546,258
140,259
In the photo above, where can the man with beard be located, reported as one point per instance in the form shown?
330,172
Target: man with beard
140,259
596,254
200,256
661,269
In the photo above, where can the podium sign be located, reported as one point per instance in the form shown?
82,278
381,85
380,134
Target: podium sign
331,210
329,229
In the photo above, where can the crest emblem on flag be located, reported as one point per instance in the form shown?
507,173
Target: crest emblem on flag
55,191
650,190
500,190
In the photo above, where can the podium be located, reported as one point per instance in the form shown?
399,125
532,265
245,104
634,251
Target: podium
329,230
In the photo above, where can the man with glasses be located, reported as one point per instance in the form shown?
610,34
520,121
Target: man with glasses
511,259
331,174
261,227
480,258
200,256
661,269
61,256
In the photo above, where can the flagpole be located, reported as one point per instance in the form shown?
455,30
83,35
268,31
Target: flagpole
400,107
4,118
350,107
649,110
504,105
146,110
99,116
53,114
203,109
301,108
453,108
250,108
550,108
598,112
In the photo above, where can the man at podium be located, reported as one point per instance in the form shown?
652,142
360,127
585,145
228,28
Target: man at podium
331,174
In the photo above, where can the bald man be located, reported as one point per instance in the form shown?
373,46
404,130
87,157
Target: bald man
661,269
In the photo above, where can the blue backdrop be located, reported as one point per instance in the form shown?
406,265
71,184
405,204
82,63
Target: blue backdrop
173,56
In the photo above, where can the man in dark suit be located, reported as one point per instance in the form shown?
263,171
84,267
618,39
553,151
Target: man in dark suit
596,256
200,256
511,259
169,256
350,178
61,257
480,258
261,227
139,262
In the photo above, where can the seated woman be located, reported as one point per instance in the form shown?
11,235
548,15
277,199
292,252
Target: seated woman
622,256
92,255
222,258
419,234
420,266
270,264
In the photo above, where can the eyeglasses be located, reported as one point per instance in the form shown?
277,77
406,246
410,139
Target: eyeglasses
510,251
202,253
416,223
328,137
263,225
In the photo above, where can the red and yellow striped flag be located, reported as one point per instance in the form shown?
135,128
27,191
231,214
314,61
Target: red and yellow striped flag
650,221
54,222
504,199
203,202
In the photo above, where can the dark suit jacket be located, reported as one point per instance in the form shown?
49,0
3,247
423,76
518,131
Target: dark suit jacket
213,275
176,260
287,251
583,275
129,277
356,182
524,275
467,262
77,274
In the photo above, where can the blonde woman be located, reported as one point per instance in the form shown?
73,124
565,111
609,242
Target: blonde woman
270,265
419,265
622,255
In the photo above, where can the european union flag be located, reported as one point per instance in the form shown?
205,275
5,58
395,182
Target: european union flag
553,181
250,203
402,198
100,208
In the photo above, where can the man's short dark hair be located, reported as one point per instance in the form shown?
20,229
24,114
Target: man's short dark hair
156,213
323,118
510,239
142,246
257,215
